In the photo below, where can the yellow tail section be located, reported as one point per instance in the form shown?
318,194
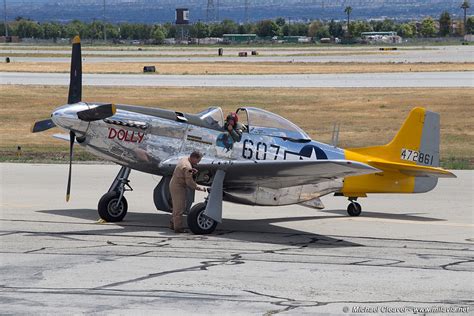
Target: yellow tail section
409,162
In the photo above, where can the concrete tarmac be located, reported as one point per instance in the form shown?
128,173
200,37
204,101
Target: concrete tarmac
361,80
403,253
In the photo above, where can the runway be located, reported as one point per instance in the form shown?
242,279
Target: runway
363,80
315,54
405,252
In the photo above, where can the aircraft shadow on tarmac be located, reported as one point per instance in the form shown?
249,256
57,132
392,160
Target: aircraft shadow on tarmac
251,230
248,230
405,216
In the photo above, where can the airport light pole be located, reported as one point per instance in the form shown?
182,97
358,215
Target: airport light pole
465,5
5,17
105,29
348,11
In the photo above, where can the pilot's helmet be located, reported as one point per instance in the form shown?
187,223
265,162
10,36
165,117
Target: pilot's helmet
232,117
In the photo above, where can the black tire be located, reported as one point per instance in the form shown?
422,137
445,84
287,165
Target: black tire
108,210
354,209
199,224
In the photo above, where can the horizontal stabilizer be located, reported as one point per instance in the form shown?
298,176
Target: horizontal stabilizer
413,170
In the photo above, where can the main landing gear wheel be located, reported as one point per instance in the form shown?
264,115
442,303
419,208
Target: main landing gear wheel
198,223
354,209
111,208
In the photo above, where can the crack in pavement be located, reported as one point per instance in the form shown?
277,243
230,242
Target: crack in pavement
445,266
291,304
281,301
35,250
204,266
364,263
367,261
395,244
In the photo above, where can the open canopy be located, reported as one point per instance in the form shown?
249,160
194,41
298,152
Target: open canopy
213,116
267,123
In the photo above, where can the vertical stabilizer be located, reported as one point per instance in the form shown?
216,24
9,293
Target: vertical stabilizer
410,162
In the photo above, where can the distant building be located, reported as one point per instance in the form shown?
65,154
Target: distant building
381,37
469,38
297,39
182,24
239,38
182,16
10,39
206,40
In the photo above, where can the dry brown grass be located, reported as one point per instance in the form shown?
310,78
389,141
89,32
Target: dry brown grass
367,116
239,68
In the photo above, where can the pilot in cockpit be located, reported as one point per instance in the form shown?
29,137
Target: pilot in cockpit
233,126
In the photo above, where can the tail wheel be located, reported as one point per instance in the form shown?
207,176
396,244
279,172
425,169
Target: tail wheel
110,209
354,209
198,223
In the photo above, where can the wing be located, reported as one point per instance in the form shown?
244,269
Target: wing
280,174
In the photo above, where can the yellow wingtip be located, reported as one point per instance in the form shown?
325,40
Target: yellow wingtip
114,109
32,127
67,197
76,40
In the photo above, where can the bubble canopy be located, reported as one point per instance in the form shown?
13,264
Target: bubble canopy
267,123
213,116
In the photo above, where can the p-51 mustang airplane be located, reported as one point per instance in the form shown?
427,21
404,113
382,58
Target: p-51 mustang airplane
275,163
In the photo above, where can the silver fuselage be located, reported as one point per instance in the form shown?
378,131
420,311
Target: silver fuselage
145,143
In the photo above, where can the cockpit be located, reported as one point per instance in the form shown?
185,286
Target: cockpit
257,121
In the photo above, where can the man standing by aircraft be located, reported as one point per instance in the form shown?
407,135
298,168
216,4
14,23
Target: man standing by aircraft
181,180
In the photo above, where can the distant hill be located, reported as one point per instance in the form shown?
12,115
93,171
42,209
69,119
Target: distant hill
152,11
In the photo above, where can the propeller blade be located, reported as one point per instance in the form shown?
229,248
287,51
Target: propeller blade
75,81
98,113
43,125
72,138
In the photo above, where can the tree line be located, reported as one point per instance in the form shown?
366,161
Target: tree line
317,29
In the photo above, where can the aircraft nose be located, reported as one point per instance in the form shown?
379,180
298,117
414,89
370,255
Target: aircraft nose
66,117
